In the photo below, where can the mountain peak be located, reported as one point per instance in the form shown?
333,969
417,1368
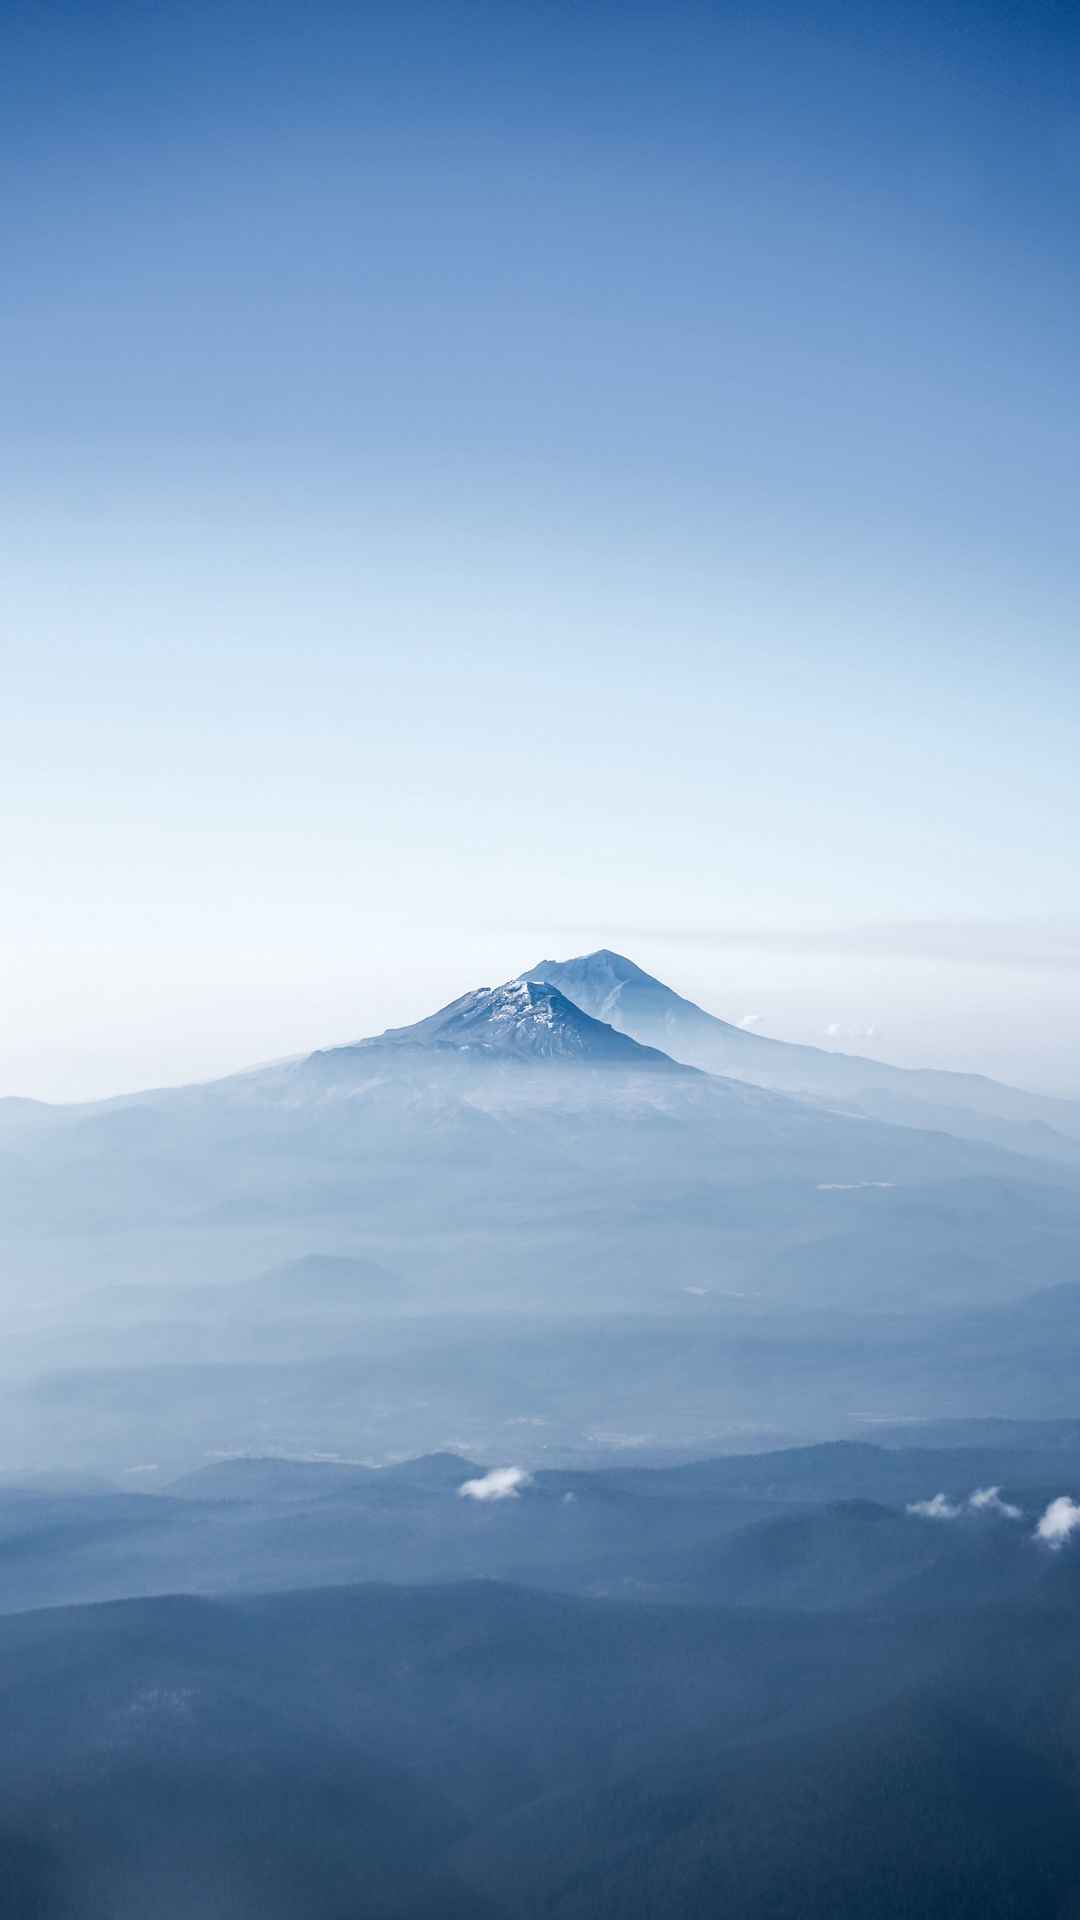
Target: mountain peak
605,965
524,1019
606,985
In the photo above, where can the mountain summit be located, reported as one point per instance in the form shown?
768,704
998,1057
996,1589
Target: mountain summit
523,1019
611,988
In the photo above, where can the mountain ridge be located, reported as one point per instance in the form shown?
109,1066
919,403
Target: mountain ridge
972,1106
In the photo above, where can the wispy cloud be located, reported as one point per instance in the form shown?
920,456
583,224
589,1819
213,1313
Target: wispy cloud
749,1021
989,1500
939,1508
853,1186
983,1500
1062,1517
502,1483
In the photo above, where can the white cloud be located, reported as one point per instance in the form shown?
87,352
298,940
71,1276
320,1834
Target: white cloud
840,1030
750,1020
989,1500
1062,1517
939,1508
502,1483
983,1500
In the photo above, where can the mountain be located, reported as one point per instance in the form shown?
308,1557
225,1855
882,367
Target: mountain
510,1107
523,1020
518,1025
510,1211
613,989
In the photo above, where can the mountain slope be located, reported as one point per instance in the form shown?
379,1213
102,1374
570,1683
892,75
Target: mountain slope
547,1190
512,1138
518,1025
526,1020
612,988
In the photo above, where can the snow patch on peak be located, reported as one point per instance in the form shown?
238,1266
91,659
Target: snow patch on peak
520,1000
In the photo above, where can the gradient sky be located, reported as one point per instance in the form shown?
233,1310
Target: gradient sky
483,481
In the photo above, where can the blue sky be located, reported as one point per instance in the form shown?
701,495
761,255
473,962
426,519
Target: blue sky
485,480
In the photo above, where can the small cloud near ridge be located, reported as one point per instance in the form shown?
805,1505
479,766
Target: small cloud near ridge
939,1508
1062,1517
989,1500
502,1483
983,1500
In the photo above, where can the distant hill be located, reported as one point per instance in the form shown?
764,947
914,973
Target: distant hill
820,1528
851,1553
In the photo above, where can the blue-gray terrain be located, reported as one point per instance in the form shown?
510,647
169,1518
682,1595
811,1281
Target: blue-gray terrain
544,1206
831,1680
567,1458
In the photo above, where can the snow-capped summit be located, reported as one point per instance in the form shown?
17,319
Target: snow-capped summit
522,1018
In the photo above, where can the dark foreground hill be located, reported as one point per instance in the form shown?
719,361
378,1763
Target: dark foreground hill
490,1752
